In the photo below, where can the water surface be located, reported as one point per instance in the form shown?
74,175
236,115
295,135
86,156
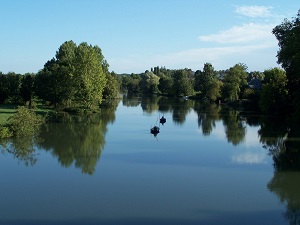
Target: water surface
208,165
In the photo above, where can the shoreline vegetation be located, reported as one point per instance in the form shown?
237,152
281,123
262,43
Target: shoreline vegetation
78,80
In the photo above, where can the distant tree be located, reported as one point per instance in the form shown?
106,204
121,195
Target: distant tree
112,87
207,83
150,83
132,83
255,75
165,85
183,85
235,81
288,36
27,88
274,92
3,87
13,87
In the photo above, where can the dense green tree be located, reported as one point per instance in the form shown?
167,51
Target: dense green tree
274,92
89,76
288,36
75,77
112,87
13,87
3,87
183,85
165,85
27,88
54,83
255,75
207,83
150,83
132,83
235,81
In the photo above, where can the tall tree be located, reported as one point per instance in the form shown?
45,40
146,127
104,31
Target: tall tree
27,88
150,83
183,85
165,85
3,87
89,75
235,80
288,36
207,83
112,87
76,76
274,92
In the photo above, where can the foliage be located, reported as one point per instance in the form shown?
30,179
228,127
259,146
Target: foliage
10,88
27,88
112,87
75,77
288,36
24,123
274,93
207,83
165,85
150,83
183,85
132,83
5,132
235,81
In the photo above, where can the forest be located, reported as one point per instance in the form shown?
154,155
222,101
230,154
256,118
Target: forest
79,77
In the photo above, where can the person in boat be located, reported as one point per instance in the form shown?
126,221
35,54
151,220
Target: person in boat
154,129
162,120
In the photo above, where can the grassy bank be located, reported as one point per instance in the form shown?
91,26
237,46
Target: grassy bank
7,111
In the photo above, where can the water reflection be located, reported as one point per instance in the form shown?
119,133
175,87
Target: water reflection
22,149
208,114
283,144
235,127
73,139
80,141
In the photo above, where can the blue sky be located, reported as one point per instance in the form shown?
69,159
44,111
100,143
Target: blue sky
135,35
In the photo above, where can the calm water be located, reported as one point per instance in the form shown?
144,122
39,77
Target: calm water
208,165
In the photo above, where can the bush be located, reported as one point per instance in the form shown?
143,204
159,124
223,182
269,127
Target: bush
25,122
5,132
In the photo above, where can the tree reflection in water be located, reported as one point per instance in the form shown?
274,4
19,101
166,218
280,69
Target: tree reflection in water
22,149
282,141
208,114
77,140
80,140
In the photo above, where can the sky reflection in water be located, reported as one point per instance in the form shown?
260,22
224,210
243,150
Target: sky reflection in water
183,176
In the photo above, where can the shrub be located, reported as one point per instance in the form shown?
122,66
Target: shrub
25,122
5,132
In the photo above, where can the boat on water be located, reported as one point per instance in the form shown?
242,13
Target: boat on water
154,130
162,120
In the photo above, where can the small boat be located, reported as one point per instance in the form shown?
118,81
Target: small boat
162,120
154,130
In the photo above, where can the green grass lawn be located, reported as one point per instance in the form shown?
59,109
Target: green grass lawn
7,111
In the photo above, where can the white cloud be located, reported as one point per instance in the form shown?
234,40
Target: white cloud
240,34
221,58
249,158
254,11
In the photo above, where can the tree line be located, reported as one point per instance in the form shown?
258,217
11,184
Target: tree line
265,90
78,76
